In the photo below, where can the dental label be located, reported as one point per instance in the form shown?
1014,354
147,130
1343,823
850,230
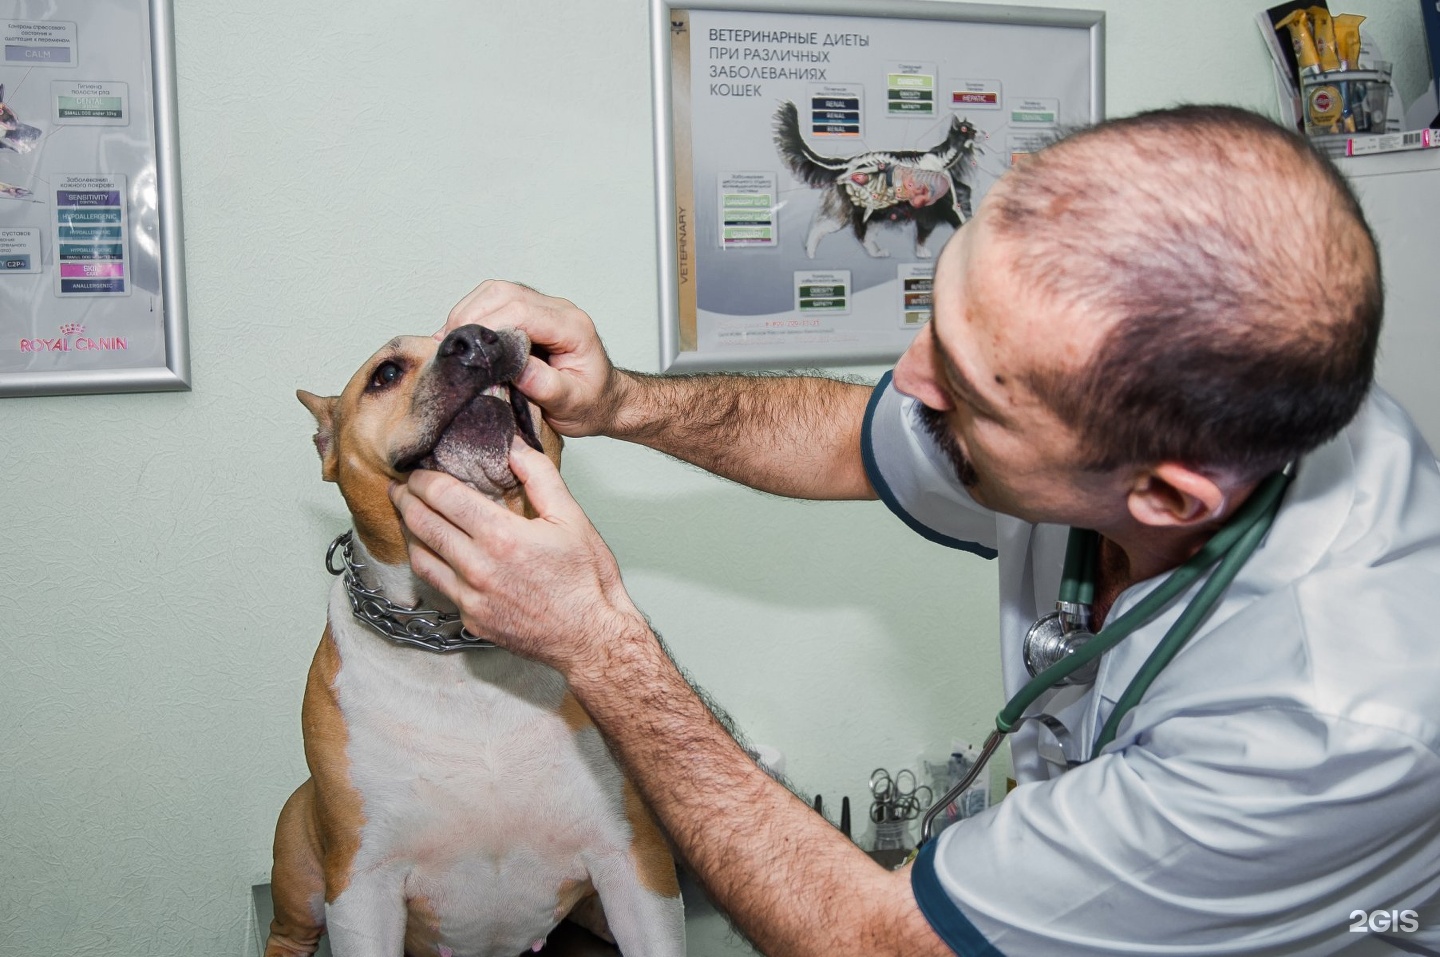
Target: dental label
1041,111
90,103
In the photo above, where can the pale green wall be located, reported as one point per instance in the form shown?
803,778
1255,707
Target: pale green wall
347,179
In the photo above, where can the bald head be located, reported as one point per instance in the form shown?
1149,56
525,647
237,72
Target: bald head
1231,270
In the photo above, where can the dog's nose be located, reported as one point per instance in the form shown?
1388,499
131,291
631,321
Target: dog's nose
473,347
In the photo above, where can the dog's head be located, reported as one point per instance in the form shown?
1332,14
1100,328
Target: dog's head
418,403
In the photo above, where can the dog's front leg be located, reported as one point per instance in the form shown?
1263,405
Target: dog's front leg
642,905
367,919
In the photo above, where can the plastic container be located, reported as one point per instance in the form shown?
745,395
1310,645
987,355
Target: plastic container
1346,101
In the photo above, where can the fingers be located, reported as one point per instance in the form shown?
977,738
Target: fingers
549,496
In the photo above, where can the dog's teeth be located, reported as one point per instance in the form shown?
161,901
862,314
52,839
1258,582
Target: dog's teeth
500,391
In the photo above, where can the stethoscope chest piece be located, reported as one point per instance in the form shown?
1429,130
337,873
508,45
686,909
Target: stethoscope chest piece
1055,637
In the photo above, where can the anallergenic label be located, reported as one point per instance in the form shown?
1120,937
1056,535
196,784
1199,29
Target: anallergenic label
91,252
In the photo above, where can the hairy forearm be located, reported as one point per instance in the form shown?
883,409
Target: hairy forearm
790,435
788,879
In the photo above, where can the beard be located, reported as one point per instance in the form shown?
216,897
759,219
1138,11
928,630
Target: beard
938,429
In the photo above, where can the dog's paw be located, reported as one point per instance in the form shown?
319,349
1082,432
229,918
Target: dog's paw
923,252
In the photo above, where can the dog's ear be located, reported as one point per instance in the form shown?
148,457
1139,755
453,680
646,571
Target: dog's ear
323,408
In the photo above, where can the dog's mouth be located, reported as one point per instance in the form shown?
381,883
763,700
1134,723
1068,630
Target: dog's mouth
474,446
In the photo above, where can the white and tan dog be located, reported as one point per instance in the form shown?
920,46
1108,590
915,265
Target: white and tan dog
460,804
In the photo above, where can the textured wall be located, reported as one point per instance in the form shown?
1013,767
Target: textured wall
346,179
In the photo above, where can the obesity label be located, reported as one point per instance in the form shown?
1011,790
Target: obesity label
90,103
824,293
91,225
40,43
910,89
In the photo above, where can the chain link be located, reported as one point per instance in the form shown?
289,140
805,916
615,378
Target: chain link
427,628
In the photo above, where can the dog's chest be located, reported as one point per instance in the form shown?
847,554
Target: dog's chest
479,791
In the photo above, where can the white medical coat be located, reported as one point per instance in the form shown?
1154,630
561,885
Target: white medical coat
1281,777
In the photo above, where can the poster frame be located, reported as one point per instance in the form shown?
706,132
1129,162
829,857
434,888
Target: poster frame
678,349
164,159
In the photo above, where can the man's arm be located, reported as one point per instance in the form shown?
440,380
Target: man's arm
790,435
547,588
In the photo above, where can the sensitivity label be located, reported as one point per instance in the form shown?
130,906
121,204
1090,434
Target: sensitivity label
90,103
90,228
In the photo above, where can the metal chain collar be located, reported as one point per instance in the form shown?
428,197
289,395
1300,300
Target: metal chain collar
427,628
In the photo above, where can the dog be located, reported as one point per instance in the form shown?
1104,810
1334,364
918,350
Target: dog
460,804
902,186
14,135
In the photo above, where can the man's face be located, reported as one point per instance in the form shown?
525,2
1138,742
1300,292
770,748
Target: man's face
968,367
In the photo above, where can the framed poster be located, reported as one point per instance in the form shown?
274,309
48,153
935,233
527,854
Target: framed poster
813,157
92,283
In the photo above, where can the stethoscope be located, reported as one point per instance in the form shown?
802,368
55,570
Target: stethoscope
1060,648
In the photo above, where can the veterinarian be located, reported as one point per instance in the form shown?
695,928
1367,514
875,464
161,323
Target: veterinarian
1144,325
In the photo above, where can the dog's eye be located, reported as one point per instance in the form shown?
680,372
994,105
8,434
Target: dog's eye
386,375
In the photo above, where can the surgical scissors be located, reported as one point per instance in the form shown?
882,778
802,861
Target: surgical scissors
894,800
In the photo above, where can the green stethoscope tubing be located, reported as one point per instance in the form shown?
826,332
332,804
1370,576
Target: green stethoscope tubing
1228,549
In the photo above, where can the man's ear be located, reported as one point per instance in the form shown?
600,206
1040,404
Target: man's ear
1171,495
323,408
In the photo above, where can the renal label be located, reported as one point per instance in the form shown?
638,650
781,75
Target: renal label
91,252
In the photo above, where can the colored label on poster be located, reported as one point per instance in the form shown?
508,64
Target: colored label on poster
40,42
910,89
823,293
90,224
916,282
977,95
747,209
19,250
90,103
1036,112
835,109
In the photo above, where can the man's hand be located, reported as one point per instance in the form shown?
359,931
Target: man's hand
545,588
577,385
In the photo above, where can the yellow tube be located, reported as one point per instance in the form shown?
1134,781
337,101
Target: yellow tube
1303,40
1347,39
1323,30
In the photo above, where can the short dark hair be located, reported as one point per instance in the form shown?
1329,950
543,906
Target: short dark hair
1236,272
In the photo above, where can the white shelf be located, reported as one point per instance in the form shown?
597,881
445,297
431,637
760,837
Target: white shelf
1381,164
